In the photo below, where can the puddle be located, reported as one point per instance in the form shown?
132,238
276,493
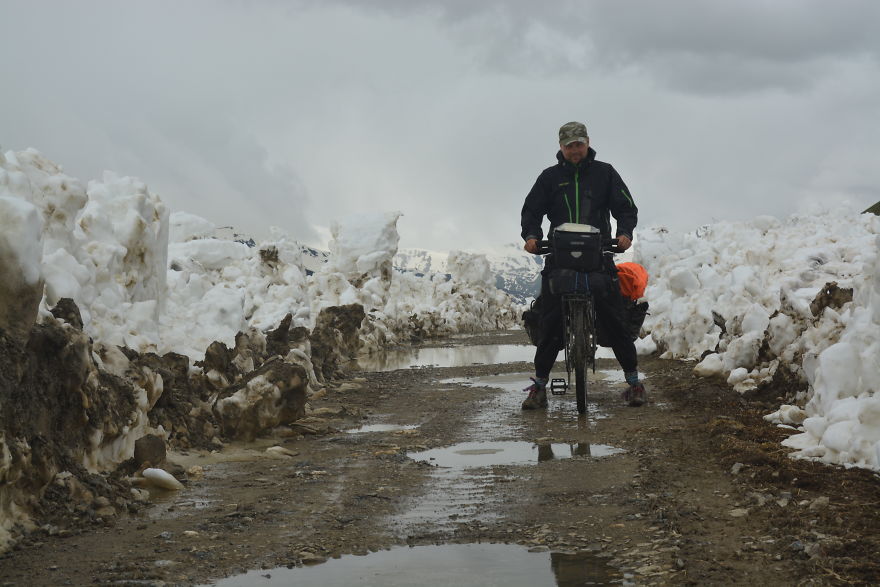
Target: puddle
474,565
459,356
492,419
511,452
452,497
380,428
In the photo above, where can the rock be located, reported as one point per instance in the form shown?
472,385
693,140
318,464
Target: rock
310,558
67,310
814,550
106,511
149,450
738,513
539,549
819,503
736,468
831,296
140,495
329,412
280,452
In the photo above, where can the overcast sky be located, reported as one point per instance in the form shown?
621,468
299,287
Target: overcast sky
297,113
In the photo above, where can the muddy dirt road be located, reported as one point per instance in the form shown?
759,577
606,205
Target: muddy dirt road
433,475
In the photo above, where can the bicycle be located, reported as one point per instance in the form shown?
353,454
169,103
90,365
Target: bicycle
578,250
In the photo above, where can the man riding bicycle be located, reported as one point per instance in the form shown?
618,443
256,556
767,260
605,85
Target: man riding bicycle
581,190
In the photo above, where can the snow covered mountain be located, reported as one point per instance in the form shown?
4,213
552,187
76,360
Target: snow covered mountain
516,271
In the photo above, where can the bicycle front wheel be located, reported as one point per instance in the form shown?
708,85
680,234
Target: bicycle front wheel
578,313
580,387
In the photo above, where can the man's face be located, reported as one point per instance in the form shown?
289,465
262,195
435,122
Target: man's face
575,152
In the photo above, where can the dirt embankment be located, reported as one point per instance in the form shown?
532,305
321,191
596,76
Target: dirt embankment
694,488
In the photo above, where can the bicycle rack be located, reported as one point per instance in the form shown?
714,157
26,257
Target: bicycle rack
558,386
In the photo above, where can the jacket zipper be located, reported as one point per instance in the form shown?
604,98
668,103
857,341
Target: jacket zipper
577,199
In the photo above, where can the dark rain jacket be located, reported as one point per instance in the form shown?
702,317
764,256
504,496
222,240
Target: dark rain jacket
586,194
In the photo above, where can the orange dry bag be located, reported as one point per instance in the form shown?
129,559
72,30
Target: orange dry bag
633,280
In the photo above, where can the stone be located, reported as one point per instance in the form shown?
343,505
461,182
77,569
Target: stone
819,503
67,310
738,513
149,450
310,558
280,452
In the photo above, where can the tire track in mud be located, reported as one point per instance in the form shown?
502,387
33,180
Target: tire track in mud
659,512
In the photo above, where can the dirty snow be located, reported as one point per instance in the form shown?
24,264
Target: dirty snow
155,281
736,297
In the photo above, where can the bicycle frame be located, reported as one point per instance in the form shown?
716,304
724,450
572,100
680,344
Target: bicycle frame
579,323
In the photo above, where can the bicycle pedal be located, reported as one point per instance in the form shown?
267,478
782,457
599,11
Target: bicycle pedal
558,386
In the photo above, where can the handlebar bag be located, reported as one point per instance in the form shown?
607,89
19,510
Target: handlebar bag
578,249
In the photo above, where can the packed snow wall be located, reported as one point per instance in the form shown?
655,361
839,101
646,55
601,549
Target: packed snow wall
789,306
120,321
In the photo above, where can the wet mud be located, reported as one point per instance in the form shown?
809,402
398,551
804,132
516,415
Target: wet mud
392,474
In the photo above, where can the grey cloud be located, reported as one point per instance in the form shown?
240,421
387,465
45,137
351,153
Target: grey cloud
695,46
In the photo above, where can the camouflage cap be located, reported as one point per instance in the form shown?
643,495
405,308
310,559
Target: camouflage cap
571,132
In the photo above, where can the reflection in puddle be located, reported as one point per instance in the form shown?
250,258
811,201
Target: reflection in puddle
473,565
459,356
488,454
491,418
381,428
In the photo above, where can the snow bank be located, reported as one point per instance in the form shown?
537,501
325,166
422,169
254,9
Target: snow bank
153,281
843,414
103,246
752,303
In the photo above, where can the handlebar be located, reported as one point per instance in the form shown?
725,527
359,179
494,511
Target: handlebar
609,245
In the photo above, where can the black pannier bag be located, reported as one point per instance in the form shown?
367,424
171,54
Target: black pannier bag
633,317
577,247
532,321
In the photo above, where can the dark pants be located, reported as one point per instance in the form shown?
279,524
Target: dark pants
609,304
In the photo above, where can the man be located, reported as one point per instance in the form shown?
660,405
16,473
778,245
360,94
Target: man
582,190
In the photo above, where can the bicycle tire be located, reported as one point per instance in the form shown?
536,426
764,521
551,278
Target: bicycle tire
578,311
580,388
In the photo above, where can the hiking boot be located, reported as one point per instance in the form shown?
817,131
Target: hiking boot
537,396
635,395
